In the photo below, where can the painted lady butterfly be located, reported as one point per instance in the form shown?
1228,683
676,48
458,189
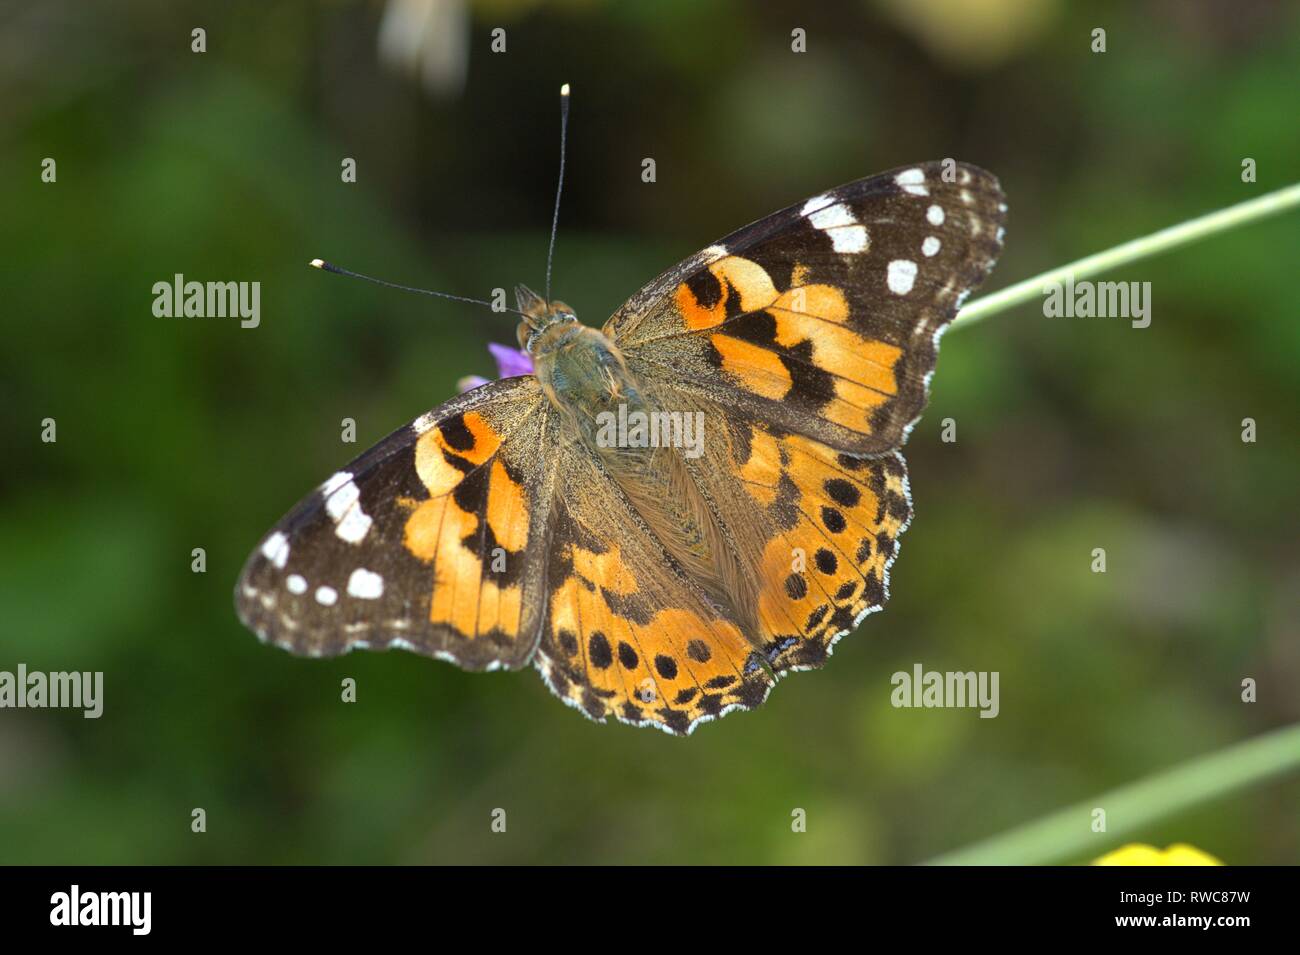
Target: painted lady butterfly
659,585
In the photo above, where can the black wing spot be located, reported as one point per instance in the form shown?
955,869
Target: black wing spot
885,544
456,434
842,492
627,656
666,666
699,651
706,288
632,713
874,591
833,520
598,650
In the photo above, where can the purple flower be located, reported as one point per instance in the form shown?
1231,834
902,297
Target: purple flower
511,363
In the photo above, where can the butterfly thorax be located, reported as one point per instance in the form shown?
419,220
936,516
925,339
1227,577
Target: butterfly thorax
582,372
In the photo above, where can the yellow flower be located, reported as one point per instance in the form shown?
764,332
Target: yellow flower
1135,853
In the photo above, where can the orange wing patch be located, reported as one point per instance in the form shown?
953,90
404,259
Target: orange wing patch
761,471
442,452
761,370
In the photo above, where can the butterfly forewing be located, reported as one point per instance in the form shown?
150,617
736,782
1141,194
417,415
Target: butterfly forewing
824,318
431,541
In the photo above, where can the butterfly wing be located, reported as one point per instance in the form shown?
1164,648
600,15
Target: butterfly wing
432,541
818,529
824,318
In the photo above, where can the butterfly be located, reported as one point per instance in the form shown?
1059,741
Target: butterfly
671,570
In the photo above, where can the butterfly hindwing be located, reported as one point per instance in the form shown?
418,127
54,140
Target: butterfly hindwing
629,634
835,519
824,318
432,541
815,529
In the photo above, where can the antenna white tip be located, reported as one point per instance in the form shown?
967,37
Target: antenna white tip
317,263
564,90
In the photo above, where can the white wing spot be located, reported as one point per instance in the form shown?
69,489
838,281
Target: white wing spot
815,203
340,498
852,239
837,221
342,503
930,246
296,583
912,181
276,550
355,525
934,215
423,423
335,482
326,596
365,585
901,276
832,216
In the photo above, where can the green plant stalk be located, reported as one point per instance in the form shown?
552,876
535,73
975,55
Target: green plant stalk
1154,244
1067,835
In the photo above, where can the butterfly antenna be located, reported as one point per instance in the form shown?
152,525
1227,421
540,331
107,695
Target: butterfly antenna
329,267
559,188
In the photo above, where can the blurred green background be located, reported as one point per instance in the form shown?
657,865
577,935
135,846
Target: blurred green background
1072,434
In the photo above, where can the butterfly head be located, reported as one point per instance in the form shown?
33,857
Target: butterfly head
540,316
578,367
